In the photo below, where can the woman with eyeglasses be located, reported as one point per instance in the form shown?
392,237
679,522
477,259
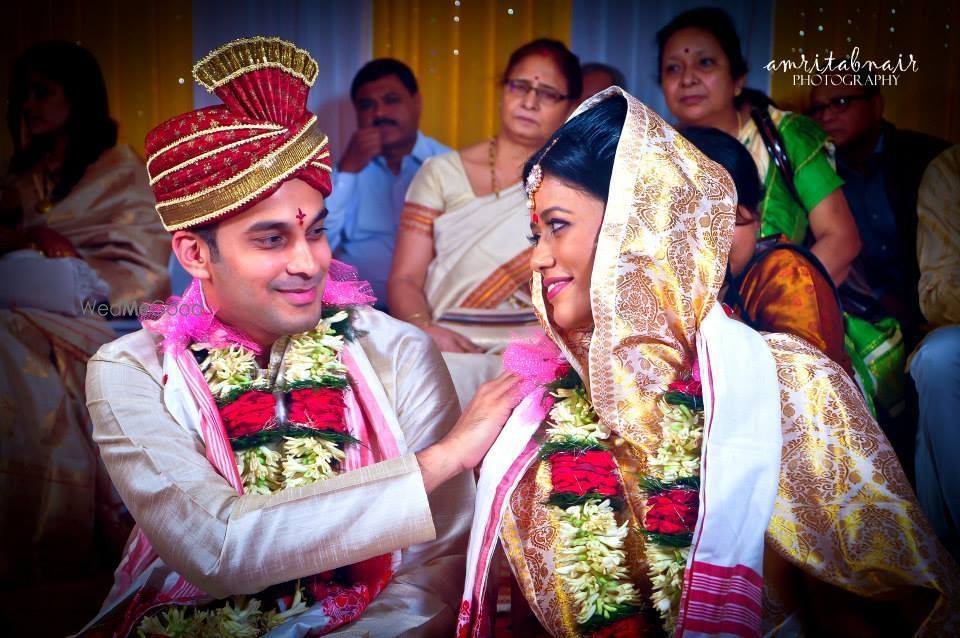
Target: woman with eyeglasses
702,73
460,268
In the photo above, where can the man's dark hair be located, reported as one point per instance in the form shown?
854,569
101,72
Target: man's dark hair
381,68
585,147
862,76
619,79
714,21
208,233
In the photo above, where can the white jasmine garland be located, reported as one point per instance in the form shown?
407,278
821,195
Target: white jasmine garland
228,369
240,617
308,459
310,356
272,619
173,622
240,621
572,416
667,566
315,353
679,451
590,560
260,469
678,456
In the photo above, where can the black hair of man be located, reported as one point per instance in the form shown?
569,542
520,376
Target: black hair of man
381,68
619,79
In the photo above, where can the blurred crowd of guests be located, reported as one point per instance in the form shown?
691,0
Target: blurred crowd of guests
842,217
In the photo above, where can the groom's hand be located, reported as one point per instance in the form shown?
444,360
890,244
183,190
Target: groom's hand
472,435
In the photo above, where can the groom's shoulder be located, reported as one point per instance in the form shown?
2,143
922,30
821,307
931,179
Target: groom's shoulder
139,349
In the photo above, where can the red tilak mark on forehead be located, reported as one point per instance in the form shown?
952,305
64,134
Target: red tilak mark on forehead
300,216
686,50
535,218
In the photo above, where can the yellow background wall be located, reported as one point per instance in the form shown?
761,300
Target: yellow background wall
461,91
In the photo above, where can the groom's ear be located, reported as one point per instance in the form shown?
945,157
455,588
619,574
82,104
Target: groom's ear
196,251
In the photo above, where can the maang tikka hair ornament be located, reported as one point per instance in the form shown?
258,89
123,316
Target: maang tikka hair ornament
535,178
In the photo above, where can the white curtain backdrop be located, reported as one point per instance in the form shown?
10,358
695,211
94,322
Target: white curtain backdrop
337,33
622,33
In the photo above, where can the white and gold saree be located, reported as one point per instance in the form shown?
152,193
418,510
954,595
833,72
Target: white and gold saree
478,281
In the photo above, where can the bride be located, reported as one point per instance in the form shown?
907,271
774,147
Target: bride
671,470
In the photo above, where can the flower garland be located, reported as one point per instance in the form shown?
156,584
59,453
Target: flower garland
288,436
587,497
673,495
588,501
241,618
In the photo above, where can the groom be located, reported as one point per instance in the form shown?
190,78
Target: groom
367,530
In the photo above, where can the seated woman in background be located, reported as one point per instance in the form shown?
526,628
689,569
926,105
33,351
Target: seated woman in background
781,287
671,471
79,228
461,246
702,73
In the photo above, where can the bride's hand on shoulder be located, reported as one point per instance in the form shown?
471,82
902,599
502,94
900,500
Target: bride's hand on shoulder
474,432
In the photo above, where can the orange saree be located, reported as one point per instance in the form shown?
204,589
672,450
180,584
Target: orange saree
783,291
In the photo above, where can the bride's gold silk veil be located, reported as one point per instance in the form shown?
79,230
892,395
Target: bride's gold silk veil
660,260
844,512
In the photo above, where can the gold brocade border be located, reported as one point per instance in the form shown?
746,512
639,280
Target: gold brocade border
501,283
281,150
209,131
235,58
192,210
211,153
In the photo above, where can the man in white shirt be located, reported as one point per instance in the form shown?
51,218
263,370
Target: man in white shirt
380,161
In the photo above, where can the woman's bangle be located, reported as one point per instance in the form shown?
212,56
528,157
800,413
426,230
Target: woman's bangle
418,319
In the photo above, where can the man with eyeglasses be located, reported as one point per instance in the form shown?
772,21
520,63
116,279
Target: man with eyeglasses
382,157
881,166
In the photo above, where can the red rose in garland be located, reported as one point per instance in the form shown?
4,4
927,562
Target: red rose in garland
672,512
629,627
248,414
590,472
689,386
317,408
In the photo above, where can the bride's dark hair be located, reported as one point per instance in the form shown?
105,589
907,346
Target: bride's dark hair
581,152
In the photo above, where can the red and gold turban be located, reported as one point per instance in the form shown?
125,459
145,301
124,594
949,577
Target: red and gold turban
215,162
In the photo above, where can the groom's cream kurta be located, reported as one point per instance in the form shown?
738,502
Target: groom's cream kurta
229,544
